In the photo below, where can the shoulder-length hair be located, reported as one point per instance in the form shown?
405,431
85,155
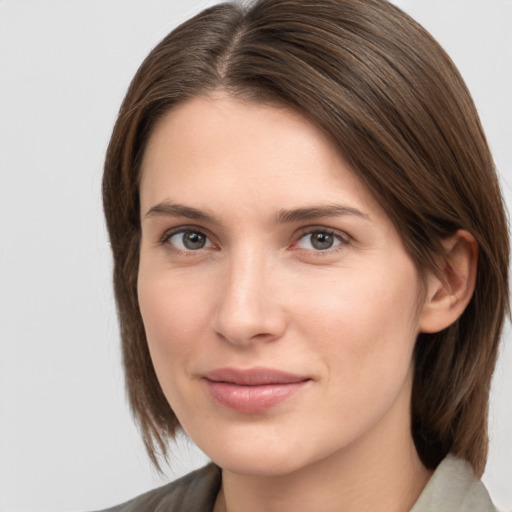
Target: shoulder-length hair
400,114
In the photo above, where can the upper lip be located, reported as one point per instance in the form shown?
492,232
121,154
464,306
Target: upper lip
253,376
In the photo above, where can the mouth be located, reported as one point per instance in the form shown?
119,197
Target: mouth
252,390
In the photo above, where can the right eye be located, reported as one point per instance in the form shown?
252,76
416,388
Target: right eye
188,240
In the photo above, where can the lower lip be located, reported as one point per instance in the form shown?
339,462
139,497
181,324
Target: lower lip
252,399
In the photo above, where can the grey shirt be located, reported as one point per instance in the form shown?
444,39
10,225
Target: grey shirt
452,488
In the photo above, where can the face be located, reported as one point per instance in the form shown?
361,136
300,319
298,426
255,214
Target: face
280,306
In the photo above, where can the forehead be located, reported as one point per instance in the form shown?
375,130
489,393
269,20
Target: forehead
216,148
233,128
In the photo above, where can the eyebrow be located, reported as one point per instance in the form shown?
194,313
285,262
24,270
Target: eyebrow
318,212
169,209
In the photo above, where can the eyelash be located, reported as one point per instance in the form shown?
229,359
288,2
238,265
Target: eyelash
183,229
342,237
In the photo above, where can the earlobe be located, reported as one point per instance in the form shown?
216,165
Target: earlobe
449,292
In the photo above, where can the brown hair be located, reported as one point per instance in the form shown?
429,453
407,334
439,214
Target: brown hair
391,99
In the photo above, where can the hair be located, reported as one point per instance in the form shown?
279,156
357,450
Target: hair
392,101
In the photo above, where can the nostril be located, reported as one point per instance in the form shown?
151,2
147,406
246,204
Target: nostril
243,330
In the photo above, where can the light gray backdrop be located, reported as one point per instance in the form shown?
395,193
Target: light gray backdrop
66,438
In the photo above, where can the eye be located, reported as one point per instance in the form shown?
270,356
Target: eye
320,240
188,240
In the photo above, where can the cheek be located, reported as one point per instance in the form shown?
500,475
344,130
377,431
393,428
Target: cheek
366,322
175,320
175,313
362,331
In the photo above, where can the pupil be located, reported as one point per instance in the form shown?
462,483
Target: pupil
322,241
193,240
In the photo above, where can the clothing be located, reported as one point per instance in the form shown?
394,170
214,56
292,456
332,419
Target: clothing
452,488
195,492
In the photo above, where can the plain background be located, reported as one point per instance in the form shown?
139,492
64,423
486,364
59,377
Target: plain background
66,438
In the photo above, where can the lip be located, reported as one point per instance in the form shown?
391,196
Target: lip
252,390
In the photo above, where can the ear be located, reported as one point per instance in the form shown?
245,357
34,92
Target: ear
449,292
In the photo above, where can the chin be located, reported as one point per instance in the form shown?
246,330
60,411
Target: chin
262,456
262,464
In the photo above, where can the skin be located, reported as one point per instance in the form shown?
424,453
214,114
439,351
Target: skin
259,293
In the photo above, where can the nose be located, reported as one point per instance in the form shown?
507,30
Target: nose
248,308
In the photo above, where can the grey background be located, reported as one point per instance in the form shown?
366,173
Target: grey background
66,438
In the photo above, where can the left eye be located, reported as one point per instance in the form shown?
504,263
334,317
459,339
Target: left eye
189,240
319,241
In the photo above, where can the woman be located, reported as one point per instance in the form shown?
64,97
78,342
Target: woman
310,261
